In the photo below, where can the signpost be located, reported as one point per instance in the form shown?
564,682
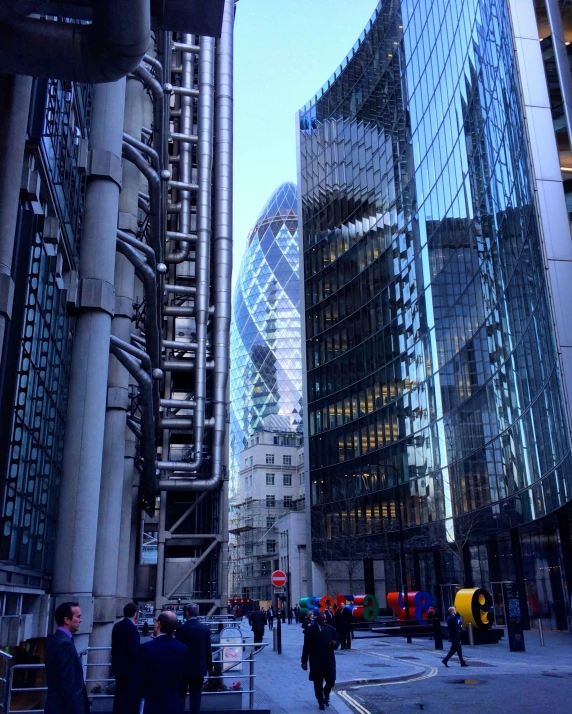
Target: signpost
278,579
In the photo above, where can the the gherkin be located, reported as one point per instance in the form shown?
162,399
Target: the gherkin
266,358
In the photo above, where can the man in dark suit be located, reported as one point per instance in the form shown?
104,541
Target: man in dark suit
455,627
320,641
197,638
343,624
64,675
257,622
165,666
124,661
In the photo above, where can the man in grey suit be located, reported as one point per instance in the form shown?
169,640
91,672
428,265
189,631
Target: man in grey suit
64,674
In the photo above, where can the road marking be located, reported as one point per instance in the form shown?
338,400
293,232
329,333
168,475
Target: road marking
352,702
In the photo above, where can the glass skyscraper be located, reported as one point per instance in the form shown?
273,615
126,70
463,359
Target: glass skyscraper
435,395
266,363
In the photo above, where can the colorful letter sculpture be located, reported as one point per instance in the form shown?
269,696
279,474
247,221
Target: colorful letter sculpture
418,603
475,606
363,607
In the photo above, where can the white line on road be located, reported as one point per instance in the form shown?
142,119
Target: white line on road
352,702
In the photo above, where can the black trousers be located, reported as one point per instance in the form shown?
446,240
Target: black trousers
323,686
455,647
127,697
258,635
270,623
195,691
345,639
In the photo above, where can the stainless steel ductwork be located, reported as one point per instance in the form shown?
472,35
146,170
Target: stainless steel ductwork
107,49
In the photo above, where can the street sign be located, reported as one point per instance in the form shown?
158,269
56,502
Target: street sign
278,578
279,591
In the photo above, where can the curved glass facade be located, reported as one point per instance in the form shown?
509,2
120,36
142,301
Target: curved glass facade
433,385
266,359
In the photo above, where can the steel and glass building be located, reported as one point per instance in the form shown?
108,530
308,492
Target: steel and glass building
436,262
266,357
115,284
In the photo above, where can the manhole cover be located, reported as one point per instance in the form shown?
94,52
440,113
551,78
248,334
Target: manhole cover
378,664
474,663
466,681
381,644
407,658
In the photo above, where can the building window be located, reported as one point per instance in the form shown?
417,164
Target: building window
270,479
270,520
287,501
248,549
287,479
269,458
287,460
270,546
265,568
270,501
301,479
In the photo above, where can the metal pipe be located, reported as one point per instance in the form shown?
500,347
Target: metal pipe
184,47
185,365
157,66
154,182
184,138
181,289
178,236
185,167
145,149
181,186
181,346
223,263
183,91
177,403
104,51
138,245
120,349
147,276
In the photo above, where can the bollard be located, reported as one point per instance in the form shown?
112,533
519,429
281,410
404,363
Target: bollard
279,637
540,632
274,640
471,635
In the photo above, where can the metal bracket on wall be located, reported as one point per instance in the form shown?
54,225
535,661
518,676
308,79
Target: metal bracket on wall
104,165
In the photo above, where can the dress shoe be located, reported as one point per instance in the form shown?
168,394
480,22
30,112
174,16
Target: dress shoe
445,662
322,706
327,702
464,664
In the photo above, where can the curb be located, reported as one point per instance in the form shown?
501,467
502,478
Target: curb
350,683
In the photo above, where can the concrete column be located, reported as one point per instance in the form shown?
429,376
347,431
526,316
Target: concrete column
83,446
109,526
14,107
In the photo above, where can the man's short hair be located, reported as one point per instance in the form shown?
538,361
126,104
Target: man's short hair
130,610
451,609
191,609
64,610
167,622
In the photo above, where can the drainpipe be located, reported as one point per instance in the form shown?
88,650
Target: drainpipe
185,160
104,51
14,107
74,561
223,267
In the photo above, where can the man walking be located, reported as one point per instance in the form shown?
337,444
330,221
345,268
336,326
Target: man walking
320,641
270,616
197,638
343,624
124,661
257,621
455,627
64,675
165,667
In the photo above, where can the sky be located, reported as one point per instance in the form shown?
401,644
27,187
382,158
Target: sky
285,50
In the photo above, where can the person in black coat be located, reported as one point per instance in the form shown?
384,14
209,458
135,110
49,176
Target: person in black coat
197,638
165,668
270,618
257,621
125,643
343,624
455,627
320,641
64,674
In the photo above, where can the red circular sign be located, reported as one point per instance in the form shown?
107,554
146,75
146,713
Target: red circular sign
278,578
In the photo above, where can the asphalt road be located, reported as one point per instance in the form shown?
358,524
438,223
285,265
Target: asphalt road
471,690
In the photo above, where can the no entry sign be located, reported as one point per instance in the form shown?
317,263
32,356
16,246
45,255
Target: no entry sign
278,578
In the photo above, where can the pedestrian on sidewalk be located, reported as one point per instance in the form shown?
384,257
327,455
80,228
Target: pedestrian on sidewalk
455,627
257,621
197,638
343,624
320,641
125,643
270,617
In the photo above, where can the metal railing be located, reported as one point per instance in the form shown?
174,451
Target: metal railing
219,674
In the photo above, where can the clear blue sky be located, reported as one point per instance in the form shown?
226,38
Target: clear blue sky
285,50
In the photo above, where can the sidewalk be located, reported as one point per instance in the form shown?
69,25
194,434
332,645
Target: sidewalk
283,687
